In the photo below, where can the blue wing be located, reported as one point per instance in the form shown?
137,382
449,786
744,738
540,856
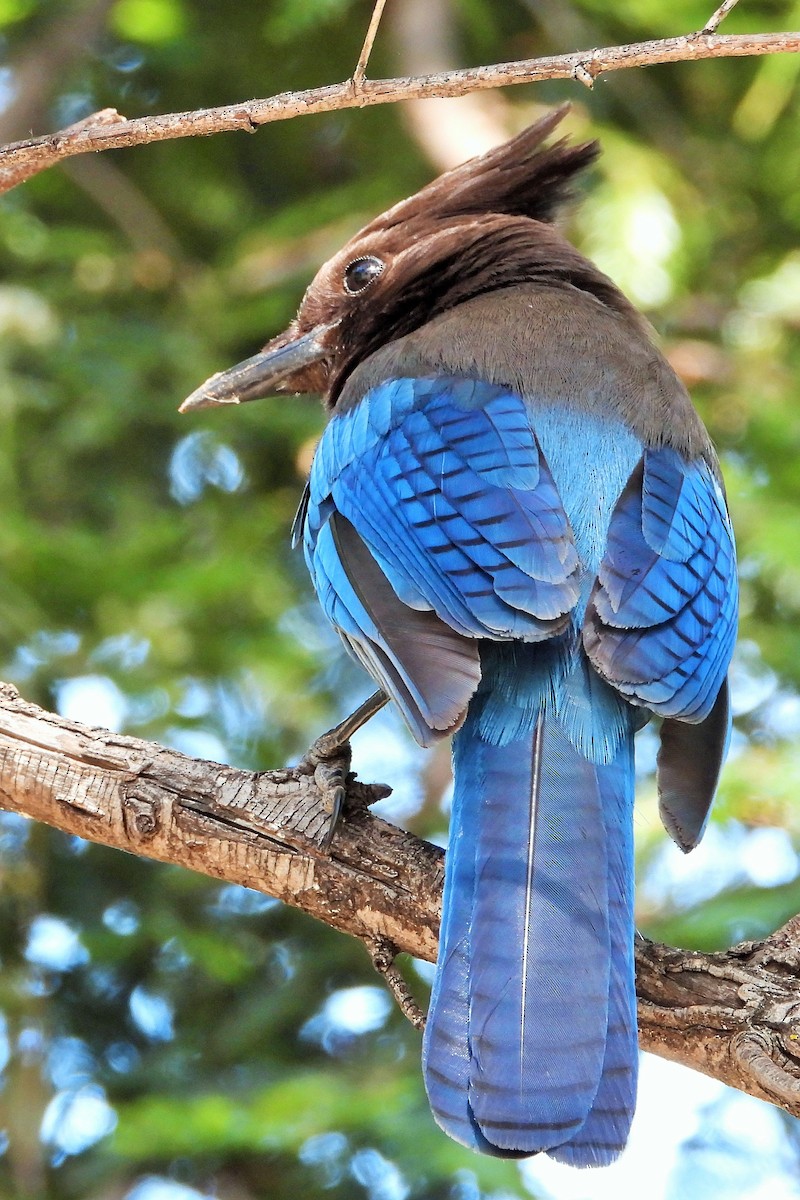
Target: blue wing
661,621
661,624
430,504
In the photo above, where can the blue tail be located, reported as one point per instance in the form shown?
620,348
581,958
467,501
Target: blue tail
531,1041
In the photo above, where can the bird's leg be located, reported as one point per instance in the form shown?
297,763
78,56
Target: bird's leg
337,740
383,953
328,759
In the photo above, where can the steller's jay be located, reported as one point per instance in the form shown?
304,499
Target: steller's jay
516,522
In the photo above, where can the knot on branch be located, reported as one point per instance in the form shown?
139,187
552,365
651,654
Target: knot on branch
247,122
141,813
582,73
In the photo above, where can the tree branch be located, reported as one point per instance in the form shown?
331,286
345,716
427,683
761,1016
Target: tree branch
110,131
734,1016
264,830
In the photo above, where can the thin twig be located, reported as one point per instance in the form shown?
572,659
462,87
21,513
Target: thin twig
22,159
94,122
715,20
363,58
383,953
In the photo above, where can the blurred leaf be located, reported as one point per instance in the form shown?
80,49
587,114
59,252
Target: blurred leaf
149,20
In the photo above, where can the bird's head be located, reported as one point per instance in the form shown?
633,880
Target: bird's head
483,226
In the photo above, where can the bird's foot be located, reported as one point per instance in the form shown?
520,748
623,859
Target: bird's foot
328,760
331,776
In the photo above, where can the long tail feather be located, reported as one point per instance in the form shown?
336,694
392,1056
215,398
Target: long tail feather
445,1046
605,1131
539,949
533,1006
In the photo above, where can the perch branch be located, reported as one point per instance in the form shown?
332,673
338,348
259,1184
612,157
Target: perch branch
110,131
733,1015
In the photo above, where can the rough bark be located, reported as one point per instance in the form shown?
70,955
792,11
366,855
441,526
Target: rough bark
734,1015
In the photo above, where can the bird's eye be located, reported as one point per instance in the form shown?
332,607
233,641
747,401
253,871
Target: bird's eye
360,273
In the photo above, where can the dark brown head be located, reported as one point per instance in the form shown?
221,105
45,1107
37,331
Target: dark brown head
483,226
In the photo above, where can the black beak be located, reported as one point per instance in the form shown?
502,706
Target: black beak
263,373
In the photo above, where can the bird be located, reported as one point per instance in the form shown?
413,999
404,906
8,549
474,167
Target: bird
517,523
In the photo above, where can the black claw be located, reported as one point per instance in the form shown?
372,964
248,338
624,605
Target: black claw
331,779
337,805
329,762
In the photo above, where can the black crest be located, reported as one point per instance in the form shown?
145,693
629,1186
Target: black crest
517,179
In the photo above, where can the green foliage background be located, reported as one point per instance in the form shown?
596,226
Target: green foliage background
153,1025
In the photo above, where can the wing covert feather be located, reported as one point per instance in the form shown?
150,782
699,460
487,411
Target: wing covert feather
661,620
432,520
